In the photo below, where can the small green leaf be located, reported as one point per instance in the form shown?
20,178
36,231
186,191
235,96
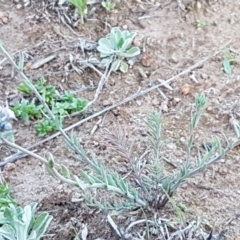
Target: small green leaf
41,224
124,67
79,182
227,68
65,172
115,65
105,46
132,52
24,89
126,44
21,62
105,62
49,170
120,43
115,35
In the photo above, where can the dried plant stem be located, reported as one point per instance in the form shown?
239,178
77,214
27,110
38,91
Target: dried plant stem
101,84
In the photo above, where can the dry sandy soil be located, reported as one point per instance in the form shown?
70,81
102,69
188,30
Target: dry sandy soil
172,42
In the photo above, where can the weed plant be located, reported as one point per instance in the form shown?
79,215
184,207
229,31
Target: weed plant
155,186
60,106
108,5
21,224
116,47
17,223
81,7
230,59
5,200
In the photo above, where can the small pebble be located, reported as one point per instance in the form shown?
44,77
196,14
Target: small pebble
19,6
146,60
173,59
175,101
4,20
139,102
112,82
106,102
171,146
137,42
164,106
155,102
223,171
182,140
116,112
204,76
185,89
143,133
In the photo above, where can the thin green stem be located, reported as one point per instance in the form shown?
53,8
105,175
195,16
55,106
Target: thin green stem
43,160
116,190
200,168
15,146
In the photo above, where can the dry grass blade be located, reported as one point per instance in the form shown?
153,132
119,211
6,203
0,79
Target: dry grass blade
119,142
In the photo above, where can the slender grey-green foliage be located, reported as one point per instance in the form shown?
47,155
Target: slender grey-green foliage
21,224
156,166
153,186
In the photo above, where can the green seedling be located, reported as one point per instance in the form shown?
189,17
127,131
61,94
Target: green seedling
48,92
47,126
200,24
115,48
27,111
24,88
68,104
5,200
227,67
229,61
60,106
108,6
72,104
81,6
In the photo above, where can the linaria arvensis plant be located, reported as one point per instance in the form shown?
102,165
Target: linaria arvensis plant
154,188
